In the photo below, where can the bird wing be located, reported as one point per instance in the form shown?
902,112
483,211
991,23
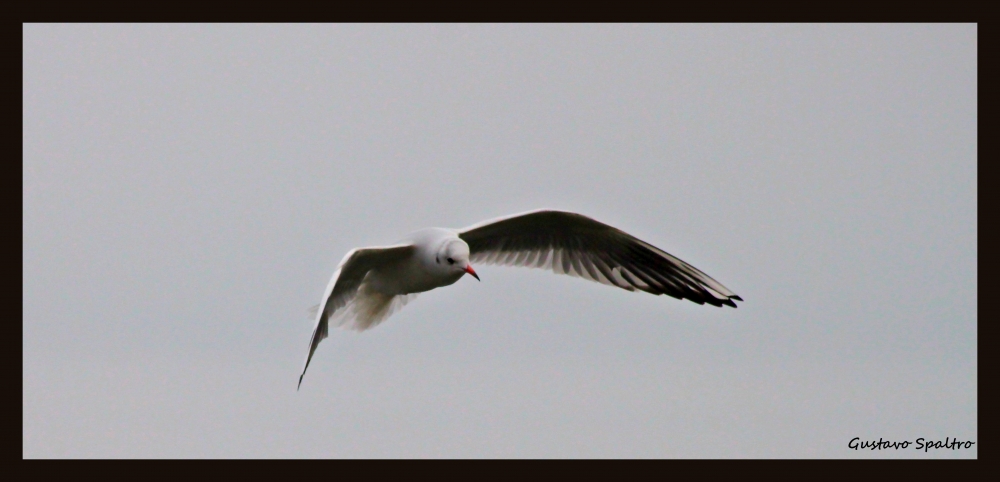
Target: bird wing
345,284
569,243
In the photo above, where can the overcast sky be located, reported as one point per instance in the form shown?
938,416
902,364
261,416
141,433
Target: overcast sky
189,190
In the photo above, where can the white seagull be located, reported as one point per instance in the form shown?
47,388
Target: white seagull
372,283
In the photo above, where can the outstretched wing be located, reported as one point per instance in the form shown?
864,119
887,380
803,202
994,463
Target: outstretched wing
569,243
344,287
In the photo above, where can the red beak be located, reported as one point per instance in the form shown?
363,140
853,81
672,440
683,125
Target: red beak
468,269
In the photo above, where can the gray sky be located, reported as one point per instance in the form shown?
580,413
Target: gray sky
189,190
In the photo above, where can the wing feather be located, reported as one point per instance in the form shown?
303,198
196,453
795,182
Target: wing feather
575,245
343,288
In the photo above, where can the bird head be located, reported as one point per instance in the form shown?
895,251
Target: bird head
454,256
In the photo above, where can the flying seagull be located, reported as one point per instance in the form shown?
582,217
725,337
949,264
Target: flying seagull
372,283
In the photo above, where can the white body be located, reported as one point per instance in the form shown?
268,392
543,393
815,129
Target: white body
420,272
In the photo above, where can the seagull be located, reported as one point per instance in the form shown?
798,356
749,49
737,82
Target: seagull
372,283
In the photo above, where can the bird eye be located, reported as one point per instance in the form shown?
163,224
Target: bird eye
451,261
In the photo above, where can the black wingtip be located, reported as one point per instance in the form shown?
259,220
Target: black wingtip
300,382
737,298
